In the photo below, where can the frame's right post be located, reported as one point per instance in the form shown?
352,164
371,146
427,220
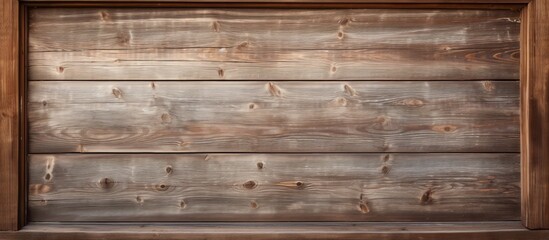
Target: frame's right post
535,114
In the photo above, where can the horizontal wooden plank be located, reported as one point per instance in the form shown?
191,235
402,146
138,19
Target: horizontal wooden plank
279,187
505,230
169,116
273,44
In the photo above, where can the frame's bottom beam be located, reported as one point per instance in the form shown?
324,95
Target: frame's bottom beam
279,230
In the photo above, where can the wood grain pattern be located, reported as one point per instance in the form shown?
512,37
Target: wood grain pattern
438,116
271,44
279,187
9,116
505,230
535,116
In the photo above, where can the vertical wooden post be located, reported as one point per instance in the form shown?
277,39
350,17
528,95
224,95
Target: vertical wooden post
9,115
535,115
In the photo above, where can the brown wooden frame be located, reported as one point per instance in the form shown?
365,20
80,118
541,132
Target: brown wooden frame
534,137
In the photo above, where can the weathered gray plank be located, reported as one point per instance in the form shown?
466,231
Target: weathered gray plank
481,230
438,116
272,44
282,187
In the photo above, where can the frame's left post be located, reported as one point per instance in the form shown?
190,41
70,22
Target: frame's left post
9,116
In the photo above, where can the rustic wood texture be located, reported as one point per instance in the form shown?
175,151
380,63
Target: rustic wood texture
9,116
273,44
376,116
508,230
279,187
535,116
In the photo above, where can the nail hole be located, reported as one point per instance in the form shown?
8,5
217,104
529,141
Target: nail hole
47,177
260,165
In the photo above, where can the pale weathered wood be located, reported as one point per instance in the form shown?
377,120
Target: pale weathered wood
504,230
280,187
535,116
9,116
267,44
437,116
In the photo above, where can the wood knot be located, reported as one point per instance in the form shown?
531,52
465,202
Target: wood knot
60,69
445,128
252,106
48,177
106,183
117,93
426,198
343,21
40,188
274,90
124,38
340,35
153,85
182,204
220,72
349,90
387,157
183,144
250,185
488,86
166,118
169,169
292,184
139,200
363,207
242,45
384,120
413,102
162,187
216,26
254,205
341,101
333,69
104,16
260,165
44,103
385,169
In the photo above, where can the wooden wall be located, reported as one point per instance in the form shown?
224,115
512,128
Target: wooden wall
273,115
